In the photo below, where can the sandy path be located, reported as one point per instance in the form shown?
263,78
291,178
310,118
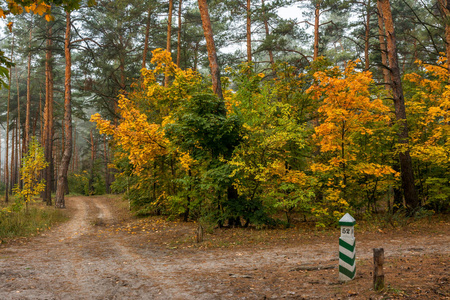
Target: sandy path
83,260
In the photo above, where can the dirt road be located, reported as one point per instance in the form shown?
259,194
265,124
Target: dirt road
89,258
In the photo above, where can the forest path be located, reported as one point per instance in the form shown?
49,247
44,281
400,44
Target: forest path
89,258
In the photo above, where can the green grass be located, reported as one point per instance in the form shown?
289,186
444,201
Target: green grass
39,217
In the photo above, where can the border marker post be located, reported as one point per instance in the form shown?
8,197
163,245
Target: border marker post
347,251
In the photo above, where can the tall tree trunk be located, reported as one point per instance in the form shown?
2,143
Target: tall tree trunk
27,117
17,158
316,30
407,175
7,129
74,158
13,152
266,28
48,119
249,32
67,154
180,7
444,6
169,37
91,176
1,178
383,50
210,46
106,162
367,37
147,35
196,56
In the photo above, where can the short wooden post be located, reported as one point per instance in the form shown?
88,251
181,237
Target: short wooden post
199,235
378,272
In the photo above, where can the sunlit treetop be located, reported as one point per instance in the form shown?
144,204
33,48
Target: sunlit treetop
41,7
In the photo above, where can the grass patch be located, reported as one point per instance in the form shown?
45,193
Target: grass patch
39,217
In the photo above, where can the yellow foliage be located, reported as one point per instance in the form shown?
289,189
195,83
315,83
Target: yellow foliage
430,108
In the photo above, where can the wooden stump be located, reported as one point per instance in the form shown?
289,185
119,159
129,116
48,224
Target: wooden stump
378,272
199,235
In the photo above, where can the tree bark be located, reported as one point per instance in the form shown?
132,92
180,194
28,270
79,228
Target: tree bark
91,176
67,154
13,152
1,178
106,162
147,35
383,50
407,175
27,117
7,129
366,38
316,30
444,6
249,32
16,177
169,36
180,7
48,119
266,28
210,46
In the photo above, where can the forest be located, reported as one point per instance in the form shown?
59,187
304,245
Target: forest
227,112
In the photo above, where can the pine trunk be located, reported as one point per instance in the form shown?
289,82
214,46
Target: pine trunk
48,120
407,174
210,46
17,149
180,7
7,129
266,28
249,32
147,35
169,35
67,154
367,37
91,176
27,117
383,50
106,162
445,11
316,30
13,147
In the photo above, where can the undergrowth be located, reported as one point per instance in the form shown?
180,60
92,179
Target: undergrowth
25,223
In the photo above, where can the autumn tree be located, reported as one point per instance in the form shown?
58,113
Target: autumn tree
33,162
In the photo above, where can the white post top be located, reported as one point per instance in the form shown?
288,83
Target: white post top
347,220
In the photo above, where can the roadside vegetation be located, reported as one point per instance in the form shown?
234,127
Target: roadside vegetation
16,223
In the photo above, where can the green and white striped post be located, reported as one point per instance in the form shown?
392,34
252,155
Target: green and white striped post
347,251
